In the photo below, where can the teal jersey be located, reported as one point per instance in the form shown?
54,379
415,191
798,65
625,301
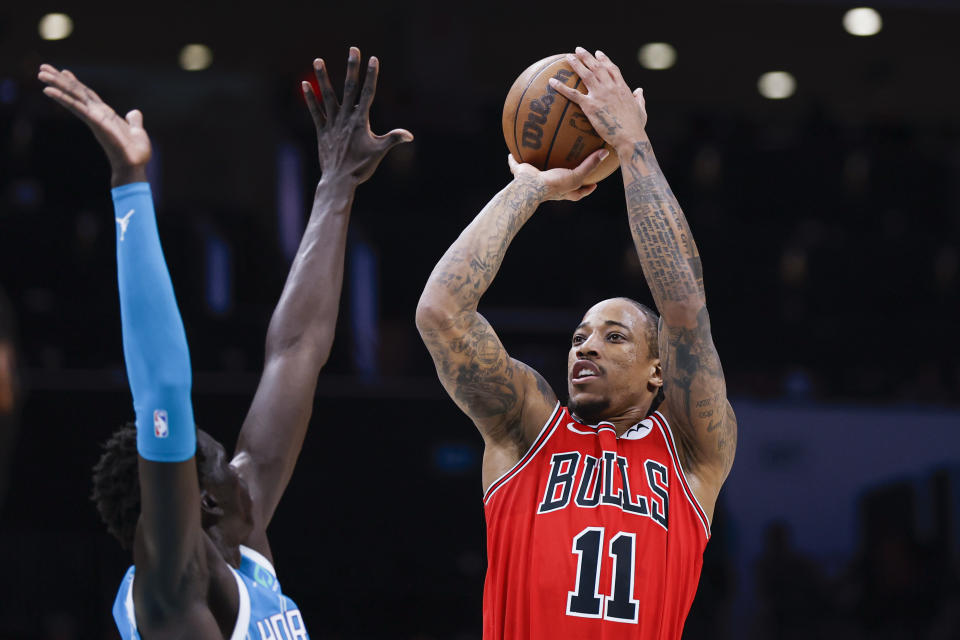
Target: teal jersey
264,614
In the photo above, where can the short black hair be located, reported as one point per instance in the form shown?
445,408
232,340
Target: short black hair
116,484
652,320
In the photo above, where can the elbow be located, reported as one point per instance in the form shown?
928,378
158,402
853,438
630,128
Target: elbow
432,314
686,313
312,348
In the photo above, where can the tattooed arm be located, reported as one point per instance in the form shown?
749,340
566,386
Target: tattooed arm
696,398
507,400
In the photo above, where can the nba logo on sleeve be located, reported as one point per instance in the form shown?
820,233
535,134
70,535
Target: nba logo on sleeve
160,428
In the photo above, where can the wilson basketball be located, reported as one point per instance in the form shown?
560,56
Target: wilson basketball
545,129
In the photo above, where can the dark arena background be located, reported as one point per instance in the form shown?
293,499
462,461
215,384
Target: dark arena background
827,215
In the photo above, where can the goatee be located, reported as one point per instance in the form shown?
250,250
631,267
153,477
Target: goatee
589,411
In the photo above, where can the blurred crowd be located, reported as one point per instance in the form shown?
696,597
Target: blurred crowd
831,252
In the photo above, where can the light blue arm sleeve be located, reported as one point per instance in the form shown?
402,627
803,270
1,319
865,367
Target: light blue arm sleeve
154,342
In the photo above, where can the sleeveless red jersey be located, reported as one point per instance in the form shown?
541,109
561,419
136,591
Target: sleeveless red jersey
593,536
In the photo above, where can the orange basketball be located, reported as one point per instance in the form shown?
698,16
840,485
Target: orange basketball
545,129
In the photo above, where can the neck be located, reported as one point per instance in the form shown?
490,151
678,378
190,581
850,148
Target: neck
622,420
225,548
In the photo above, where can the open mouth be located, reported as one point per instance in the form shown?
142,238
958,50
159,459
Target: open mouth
584,371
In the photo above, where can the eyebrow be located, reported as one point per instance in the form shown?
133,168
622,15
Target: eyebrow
608,323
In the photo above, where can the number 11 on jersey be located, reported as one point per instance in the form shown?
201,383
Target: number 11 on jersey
586,601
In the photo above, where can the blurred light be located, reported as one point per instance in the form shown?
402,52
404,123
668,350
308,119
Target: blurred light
657,55
776,85
290,205
8,91
862,21
55,26
454,458
196,57
219,272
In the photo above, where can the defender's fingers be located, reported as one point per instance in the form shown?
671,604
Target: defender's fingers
369,86
91,94
312,103
60,81
330,104
73,85
569,93
353,75
76,106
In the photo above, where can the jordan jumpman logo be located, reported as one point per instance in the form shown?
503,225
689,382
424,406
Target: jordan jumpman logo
124,222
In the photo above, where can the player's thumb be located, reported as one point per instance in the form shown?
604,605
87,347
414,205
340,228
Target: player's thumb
135,119
589,164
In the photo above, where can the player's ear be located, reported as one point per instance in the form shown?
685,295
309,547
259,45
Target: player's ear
210,509
655,381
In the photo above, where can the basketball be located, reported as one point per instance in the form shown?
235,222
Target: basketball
543,128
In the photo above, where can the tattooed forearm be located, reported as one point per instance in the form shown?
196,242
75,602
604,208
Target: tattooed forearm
472,364
668,254
469,266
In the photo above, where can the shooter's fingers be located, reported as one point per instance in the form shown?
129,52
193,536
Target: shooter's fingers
608,64
578,61
569,93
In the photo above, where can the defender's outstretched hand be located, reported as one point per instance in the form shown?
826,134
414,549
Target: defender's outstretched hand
346,144
561,184
616,113
124,140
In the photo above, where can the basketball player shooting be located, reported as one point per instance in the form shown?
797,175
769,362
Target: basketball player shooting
196,520
598,512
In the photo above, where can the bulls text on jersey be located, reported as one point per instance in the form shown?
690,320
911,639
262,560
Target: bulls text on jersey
591,484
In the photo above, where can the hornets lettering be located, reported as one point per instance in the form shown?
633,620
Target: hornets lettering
589,482
282,626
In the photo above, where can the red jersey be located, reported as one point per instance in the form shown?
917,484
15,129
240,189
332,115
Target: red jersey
593,536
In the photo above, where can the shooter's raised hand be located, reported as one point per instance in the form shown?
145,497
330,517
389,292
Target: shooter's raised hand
616,113
347,146
123,139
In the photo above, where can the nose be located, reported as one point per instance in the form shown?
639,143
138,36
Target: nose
588,346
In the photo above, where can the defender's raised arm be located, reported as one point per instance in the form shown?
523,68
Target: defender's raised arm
169,542
301,330
507,400
693,382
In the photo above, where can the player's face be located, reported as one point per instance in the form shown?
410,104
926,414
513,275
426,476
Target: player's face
609,364
224,490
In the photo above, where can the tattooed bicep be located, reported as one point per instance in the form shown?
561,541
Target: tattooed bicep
505,398
477,372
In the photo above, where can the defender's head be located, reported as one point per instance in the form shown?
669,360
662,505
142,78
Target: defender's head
225,503
614,361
